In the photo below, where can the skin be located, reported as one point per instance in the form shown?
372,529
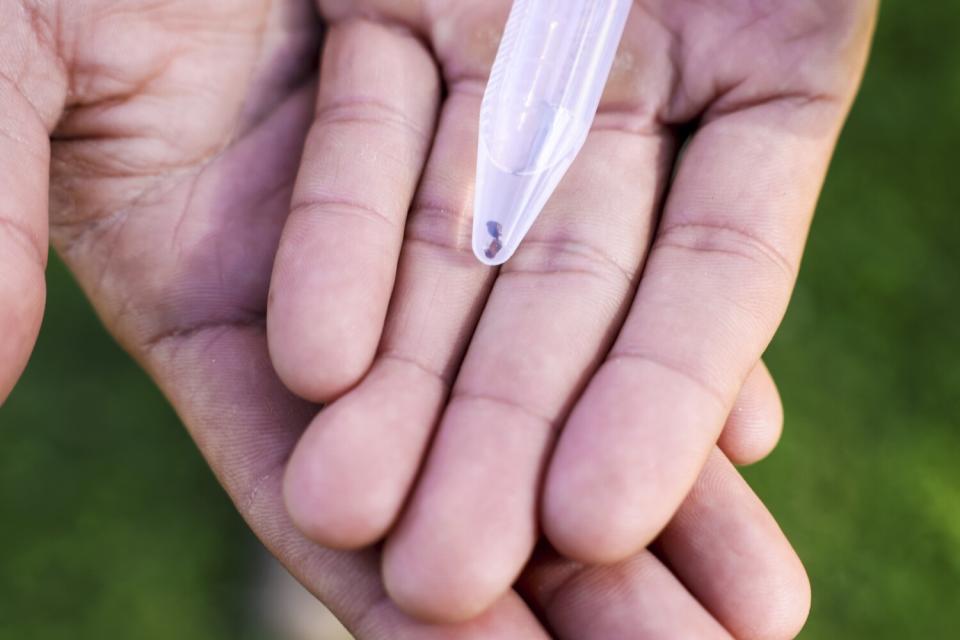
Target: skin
165,139
579,389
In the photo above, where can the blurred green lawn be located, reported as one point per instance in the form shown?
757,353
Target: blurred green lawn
111,526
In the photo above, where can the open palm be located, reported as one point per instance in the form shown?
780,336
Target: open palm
177,131
600,364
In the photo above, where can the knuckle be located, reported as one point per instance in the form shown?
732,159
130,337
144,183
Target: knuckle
333,206
505,404
727,240
557,255
697,377
369,111
443,226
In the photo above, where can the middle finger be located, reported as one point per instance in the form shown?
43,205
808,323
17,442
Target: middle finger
548,323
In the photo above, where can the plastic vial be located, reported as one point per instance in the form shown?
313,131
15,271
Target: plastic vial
542,97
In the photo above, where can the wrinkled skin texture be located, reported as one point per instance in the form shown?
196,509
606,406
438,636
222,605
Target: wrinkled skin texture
172,134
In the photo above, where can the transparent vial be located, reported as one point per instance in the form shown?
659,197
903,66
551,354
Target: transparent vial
544,90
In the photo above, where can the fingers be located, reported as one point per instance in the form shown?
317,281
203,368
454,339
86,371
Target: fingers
221,382
754,426
547,324
729,552
24,177
729,564
638,599
353,469
338,257
748,579
713,292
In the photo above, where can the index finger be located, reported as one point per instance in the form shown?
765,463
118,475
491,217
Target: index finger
716,287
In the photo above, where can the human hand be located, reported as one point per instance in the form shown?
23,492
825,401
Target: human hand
600,363
177,130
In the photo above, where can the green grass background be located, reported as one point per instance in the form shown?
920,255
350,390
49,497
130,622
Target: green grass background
111,526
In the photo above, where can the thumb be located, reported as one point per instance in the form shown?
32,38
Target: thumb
24,179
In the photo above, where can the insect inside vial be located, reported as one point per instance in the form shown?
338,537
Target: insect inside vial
495,229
